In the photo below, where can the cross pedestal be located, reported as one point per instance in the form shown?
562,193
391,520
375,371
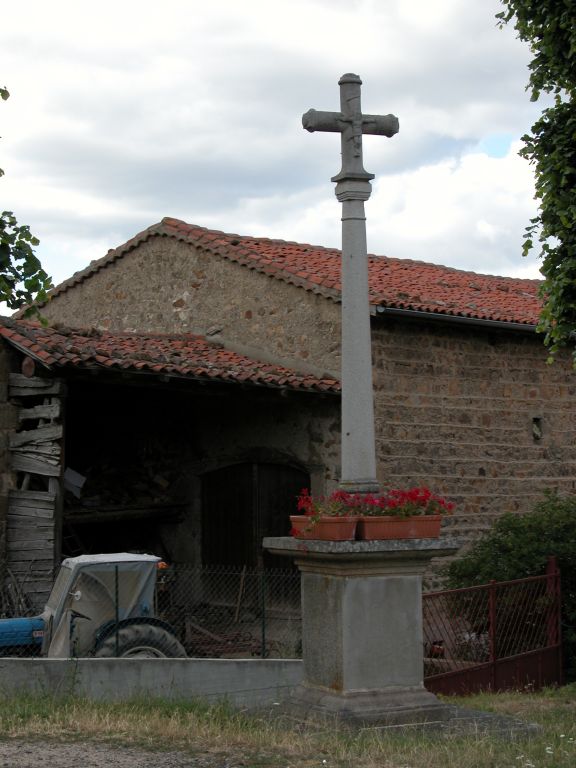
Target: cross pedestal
362,639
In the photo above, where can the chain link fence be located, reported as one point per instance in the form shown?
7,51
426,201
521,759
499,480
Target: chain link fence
116,607
497,636
119,610
223,612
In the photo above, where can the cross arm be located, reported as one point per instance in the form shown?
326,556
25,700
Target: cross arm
335,122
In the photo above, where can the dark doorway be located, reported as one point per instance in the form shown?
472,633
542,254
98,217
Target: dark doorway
241,504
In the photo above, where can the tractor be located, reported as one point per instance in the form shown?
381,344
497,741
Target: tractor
100,606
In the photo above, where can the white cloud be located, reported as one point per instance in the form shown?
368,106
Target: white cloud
124,112
468,213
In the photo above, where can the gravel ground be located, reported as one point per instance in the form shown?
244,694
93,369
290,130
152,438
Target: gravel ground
23,754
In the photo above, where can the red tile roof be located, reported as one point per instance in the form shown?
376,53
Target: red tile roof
183,355
394,283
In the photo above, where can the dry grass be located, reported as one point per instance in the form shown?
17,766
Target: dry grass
197,728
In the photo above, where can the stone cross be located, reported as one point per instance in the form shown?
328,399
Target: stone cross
352,189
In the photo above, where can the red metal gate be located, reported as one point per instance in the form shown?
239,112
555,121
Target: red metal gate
498,636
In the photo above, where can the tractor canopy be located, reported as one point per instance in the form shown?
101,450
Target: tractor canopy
92,591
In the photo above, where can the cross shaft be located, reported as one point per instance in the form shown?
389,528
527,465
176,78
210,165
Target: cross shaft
353,187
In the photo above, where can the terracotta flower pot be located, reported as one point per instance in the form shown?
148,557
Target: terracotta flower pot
387,527
328,528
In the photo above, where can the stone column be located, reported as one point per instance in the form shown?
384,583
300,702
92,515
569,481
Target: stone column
362,639
358,440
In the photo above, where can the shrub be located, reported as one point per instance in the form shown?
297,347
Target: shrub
519,546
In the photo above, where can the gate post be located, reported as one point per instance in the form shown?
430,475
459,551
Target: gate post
492,631
555,613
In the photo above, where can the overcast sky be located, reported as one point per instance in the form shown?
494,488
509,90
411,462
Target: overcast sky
124,112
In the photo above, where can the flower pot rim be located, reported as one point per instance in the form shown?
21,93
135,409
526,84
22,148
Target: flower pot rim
325,518
393,518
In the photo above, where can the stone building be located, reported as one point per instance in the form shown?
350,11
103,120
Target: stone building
201,394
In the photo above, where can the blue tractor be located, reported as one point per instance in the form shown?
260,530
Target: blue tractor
101,606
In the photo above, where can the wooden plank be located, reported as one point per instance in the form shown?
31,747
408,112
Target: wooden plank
36,571
46,514
23,495
33,523
22,546
40,554
17,535
51,411
22,504
35,385
50,451
29,524
36,466
34,456
34,517
40,435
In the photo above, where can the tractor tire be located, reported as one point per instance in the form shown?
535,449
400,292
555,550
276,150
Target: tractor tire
141,641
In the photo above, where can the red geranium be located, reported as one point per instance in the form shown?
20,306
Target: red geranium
400,503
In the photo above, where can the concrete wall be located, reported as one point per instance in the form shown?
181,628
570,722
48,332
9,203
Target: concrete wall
244,683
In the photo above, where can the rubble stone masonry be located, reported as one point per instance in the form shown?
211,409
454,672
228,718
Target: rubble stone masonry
477,415
168,286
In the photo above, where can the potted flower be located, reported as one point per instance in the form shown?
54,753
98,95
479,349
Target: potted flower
325,517
415,513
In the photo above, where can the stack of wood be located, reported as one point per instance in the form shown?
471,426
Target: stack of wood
137,483
33,506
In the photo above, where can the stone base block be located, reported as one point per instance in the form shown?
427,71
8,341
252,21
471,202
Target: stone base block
373,707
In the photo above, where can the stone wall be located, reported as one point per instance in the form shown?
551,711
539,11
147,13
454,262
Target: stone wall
476,415
168,286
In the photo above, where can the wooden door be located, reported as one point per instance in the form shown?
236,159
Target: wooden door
241,504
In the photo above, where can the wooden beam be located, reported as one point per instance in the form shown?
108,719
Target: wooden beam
26,495
51,411
168,514
16,535
42,554
31,523
37,545
36,466
46,514
33,501
40,435
22,386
